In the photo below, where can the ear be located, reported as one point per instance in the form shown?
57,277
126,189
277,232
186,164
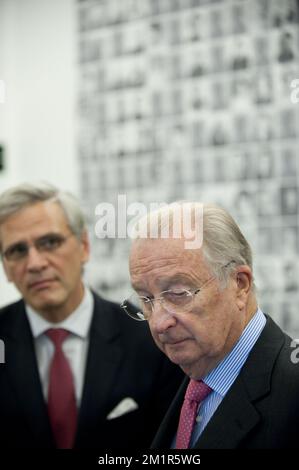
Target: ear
244,280
85,247
5,267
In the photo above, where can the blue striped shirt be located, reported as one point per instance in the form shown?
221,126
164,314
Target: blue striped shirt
223,376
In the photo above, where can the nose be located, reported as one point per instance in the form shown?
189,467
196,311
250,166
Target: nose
36,261
161,320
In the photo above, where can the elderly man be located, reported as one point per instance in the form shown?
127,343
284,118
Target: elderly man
242,387
76,374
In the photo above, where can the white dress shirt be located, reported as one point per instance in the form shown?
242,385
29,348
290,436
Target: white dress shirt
75,346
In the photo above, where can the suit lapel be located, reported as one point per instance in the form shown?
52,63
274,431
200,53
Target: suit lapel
234,419
23,373
236,415
103,361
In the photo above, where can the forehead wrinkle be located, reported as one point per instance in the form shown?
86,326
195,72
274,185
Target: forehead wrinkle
166,271
161,263
140,260
146,265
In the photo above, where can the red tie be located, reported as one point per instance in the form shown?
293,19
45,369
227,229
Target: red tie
62,406
196,392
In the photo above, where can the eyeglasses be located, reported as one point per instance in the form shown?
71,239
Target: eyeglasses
45,244
174,301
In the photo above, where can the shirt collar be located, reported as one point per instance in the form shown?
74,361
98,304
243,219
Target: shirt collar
222,377
77,323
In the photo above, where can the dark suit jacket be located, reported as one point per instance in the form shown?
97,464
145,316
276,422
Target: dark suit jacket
122,362
261,409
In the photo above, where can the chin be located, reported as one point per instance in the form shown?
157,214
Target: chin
46,302
180,358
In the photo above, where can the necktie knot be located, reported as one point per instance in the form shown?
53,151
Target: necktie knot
197,391
57,335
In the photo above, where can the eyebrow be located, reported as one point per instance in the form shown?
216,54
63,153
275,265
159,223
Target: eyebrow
24,242
137,287
163,281
172,279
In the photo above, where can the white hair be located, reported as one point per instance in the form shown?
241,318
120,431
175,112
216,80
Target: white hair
223,244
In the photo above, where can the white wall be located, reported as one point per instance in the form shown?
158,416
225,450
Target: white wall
37,120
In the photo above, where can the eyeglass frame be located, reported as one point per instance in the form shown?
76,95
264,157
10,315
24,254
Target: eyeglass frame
35,243
192,293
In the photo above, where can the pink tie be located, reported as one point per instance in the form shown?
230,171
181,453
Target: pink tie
62,406
196,392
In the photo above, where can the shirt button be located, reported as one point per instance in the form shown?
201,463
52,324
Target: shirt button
198,419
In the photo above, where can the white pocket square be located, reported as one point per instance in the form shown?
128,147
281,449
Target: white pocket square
124,406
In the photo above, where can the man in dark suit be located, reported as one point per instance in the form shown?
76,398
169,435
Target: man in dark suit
104,385
199,299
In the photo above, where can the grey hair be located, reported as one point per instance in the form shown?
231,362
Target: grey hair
27,194
224,245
